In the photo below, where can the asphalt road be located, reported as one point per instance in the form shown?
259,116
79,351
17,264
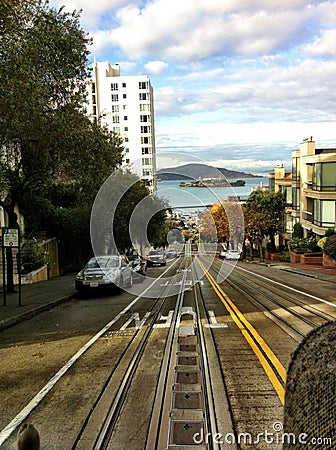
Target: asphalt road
33,351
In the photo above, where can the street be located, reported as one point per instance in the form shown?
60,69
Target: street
68,365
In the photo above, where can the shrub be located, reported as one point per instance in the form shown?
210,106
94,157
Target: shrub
285,257
330,246
32,257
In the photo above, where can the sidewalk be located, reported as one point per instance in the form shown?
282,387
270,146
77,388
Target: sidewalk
308,270
36,297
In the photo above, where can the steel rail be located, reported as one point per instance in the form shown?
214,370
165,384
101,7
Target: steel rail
163,395
210,414
102,439
296,303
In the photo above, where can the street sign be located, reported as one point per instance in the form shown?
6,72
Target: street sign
10,237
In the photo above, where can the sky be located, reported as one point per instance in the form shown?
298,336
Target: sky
237,83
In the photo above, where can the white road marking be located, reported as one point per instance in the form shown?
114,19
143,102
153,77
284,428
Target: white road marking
213,322
167,320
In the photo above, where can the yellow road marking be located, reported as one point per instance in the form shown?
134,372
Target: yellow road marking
244,325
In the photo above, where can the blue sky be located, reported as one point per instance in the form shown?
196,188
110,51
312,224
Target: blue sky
237,83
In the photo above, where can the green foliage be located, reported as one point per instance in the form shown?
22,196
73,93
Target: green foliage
297,231
53,159
285,257
329,232
330,246
32,257
263,216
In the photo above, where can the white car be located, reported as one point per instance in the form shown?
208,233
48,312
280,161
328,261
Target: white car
104,272
232,254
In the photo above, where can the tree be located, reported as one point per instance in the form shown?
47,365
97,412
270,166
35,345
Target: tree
267,208
53,158
224,220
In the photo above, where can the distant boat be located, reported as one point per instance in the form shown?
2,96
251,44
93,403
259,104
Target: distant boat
213,183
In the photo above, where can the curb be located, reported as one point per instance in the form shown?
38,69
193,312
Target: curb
7,323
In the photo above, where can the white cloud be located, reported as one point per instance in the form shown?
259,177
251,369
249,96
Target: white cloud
324,45
156,67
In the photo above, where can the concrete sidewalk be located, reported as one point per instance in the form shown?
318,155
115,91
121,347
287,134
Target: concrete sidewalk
36,297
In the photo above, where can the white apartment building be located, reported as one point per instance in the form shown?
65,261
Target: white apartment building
125,104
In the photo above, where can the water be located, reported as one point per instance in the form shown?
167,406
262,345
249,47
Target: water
198,197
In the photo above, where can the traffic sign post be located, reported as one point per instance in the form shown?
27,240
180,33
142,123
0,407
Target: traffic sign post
10,239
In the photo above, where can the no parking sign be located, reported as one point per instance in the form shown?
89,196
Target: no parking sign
10,237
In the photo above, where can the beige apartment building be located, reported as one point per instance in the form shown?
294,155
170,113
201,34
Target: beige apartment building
309,190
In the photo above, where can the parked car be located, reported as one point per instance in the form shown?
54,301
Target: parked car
104,272
156,258
232,254
139,267
170,254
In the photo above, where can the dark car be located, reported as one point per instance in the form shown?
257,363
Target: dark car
104,272
156,258
139,267
170,254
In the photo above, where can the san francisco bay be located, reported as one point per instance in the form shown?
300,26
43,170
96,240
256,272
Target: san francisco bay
180,197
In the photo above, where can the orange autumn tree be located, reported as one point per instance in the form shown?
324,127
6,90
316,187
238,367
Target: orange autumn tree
224,220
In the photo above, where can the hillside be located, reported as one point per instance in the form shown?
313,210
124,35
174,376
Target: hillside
197,171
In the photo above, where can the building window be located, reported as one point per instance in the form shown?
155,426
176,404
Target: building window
145,129
144,118
114,86
143,84
126,129
295,169
115,119
145,140
114,97
126,139
143,96
124,107
324,213
147,172
144,107
324,177
125,117
116,130
124,95
127,161
93,87
296,198
115,108
124,85
146,161
146,150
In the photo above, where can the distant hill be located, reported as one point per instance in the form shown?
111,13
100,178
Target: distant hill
196,171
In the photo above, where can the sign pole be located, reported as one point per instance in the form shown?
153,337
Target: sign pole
19,270
4,287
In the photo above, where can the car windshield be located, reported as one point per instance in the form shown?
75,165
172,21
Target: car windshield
105,262
155,252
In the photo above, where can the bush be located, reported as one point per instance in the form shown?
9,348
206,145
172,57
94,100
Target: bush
285,257
32,257
330,246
